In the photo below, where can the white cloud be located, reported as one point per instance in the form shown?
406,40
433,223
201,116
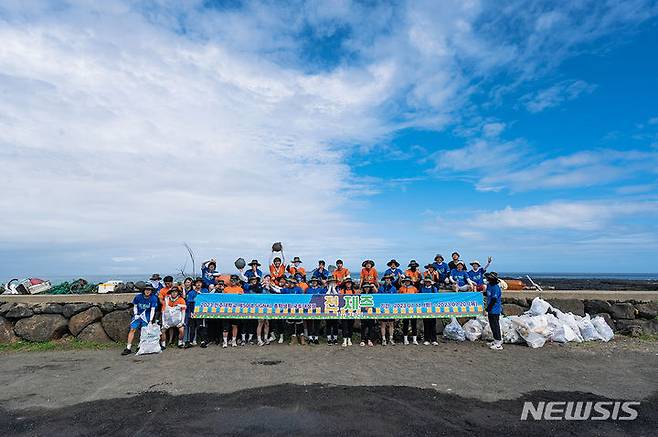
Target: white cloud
555,95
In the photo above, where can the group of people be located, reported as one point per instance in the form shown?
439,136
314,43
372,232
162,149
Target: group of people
171,304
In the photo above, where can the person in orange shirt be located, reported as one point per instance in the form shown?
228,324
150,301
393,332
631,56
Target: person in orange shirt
173,311
277,267
296,267
233,324
413,273
408,288
348,324
368,273
430,272
341,272
168,283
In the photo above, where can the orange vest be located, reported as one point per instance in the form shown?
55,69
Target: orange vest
408,290
415,276
341,274
277,272
294,270
231,289
368,275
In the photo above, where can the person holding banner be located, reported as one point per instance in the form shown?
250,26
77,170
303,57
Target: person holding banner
232,324
311,325
332,324
429,325
295,326
387,324
367,325
252,325
408,288
348,324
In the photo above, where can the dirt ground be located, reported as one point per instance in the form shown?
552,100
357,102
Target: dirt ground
282,390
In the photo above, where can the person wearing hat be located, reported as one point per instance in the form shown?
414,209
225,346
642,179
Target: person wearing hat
321,271
494,308
394,271
296,267
156,282
429,324
194,327
368,273
459,278
407,287
332,324
301,281
452,265
387,325
367,325
174,309
233,325
442,269
430,272
295,326
253,271
145,304
341,272
208,272
311,325
477,273
413,273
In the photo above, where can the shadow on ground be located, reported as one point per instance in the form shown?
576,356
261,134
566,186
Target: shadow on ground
315,410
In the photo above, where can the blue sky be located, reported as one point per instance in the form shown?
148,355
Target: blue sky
523,130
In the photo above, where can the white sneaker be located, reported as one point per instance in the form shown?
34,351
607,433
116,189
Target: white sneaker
491,343
260,342
391,342
415,341
496,347
349,342
272,337
406,340
194,343
224,345
344,342
435,343
281,340
363,343
426,343
383,342
234,343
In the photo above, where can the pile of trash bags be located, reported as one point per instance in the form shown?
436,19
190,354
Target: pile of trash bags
79,286
541,323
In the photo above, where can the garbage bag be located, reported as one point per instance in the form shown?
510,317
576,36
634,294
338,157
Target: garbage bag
531,329
487,335
508,330
604,330
454,331
149,340
563,334
539,306
472,330
172,317
587,329
535,340
570,320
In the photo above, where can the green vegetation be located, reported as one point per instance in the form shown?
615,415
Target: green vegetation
55,345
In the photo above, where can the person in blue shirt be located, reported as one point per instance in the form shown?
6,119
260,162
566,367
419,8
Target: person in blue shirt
429,324
494,308
253,271
144,305
387,325
194,328
459,278
321,272
311,325
208,272
442,269
394,271
477,273
252,286
295,326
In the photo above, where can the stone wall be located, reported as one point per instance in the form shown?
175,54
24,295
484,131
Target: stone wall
107,322
100,323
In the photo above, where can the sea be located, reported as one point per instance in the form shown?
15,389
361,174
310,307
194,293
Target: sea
97,278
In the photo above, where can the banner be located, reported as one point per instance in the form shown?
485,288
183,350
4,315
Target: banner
327,306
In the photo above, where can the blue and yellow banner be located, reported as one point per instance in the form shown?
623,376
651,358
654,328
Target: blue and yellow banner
325,306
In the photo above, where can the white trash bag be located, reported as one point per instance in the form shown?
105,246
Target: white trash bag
508,331
172,317
487,335
563,334
532,329
149,340
604,330
535,340
570,320
454,331
587,329
472,330
539,306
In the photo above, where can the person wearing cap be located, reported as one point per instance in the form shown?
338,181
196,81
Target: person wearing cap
311,325
208,271
296,267
295,326
321,271
341,272
459,278
407,287
429,324
347,325
368,273
332,324
387,325
452,265
232,324
442,269
413,273
477,273
144,305
394,271
367,325
174,308
494,308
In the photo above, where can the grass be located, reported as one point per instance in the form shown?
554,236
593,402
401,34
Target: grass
65,344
